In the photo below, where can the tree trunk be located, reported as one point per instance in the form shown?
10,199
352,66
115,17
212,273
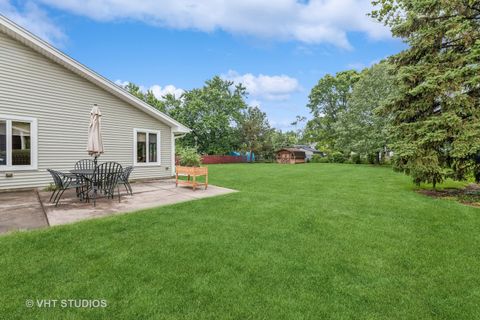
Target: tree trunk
476,168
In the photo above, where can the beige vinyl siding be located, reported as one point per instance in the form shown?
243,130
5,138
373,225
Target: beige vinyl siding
34,86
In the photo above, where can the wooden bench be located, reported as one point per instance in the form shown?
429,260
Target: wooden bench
192,173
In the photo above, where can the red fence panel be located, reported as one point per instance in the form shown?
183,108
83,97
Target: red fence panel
215,159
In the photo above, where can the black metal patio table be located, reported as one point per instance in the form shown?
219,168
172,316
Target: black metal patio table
85,174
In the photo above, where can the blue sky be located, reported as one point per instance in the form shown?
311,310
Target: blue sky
279,49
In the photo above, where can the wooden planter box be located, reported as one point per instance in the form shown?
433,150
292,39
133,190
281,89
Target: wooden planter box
191,173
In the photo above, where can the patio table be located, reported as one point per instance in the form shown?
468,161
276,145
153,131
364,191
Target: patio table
85,174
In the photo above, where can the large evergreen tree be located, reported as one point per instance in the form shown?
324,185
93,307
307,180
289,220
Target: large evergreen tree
436,113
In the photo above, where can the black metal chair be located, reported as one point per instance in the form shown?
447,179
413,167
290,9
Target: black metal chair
105,179
64,182
85,164
124,178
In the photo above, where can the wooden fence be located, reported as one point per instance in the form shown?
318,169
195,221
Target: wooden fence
217,159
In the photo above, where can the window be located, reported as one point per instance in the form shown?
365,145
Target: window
152,147
3,143
141,147
18,143
146,147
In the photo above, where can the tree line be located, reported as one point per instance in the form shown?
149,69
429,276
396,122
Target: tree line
220,119
421,106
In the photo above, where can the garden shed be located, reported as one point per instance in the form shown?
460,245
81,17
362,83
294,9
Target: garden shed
290,156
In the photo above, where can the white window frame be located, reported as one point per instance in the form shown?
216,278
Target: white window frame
146,164
33,143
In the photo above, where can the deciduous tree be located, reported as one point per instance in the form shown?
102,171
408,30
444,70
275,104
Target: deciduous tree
360,128
326,101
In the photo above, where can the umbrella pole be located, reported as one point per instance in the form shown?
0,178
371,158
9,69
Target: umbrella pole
94,184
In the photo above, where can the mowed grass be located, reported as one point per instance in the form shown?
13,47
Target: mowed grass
313,241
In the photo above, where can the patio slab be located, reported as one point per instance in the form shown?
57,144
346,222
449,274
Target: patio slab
23,210
145,195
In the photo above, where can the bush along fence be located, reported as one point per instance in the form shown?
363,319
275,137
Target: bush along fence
217,159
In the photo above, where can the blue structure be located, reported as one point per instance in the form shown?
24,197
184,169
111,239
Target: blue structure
249,157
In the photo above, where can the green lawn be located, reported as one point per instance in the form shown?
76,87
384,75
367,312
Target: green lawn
314,241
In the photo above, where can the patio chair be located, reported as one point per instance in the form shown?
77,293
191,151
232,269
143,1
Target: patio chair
85,164
124,178
64,182
105,179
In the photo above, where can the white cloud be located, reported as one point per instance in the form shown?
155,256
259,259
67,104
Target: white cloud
310,22
158,91
278,87
255,103
121,83
35,20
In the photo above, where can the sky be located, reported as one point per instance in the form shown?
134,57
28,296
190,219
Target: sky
278,49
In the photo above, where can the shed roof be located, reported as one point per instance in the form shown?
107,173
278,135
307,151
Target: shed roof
291,150
308,148
27,38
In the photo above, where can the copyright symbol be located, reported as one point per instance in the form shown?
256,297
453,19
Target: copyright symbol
29,303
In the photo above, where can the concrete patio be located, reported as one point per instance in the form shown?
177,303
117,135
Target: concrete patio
25,210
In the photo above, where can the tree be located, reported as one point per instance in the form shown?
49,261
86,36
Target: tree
436,112
254,131
326,101
147,97
360,128
212,112
282,139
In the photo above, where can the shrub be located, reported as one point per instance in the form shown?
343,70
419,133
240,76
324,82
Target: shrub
316,158
189,157
337,157
387,162
372,158
355,158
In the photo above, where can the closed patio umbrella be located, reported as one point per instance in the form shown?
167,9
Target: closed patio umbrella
95,142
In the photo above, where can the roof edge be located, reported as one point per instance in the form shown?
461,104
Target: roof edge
29,39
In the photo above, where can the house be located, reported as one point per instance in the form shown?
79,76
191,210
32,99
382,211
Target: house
290,156
45,103
309,151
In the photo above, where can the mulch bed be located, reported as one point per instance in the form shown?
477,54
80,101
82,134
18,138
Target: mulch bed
470,195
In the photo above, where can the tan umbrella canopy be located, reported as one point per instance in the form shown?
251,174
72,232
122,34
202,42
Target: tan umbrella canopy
95,142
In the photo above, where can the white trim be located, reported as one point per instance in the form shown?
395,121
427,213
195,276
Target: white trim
42,47
147,163
173,152
33,143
